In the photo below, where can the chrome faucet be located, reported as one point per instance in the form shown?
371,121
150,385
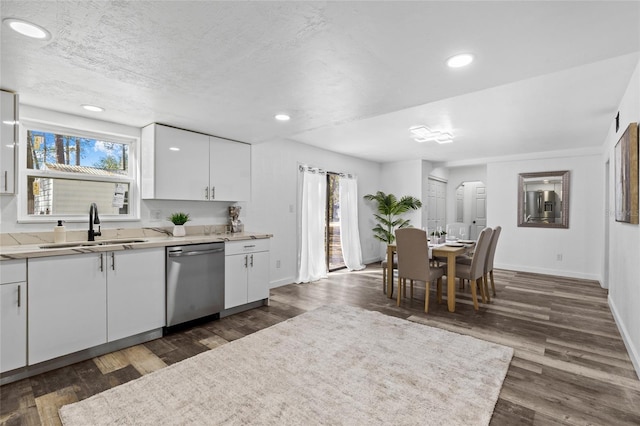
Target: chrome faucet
93,220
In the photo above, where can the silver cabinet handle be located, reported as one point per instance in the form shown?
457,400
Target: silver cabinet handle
101,263
250,246
213,192
206,193
245,261
252,261
6,179
19,295
113,261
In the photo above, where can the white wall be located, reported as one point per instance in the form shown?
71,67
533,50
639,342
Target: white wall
536,249
624,239
274,201
404,178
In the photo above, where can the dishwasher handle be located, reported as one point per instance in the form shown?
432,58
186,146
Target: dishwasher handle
194,252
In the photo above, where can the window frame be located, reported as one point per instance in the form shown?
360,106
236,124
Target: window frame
132,178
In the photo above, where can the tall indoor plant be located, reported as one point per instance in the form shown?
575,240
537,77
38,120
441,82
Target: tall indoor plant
389,211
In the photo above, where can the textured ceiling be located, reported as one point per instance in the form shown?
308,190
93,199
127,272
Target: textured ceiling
353,75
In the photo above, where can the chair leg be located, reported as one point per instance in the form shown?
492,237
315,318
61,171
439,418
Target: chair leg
480,282
493,284
384,280
399,290
485,281
439,289
427,286
411,293
474,296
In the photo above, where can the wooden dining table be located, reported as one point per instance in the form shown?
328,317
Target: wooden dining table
441,251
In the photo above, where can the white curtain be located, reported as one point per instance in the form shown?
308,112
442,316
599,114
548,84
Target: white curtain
312,262
349,233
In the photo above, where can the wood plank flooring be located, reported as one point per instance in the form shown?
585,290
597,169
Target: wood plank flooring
570,365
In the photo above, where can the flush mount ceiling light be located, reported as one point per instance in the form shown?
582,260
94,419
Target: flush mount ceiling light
282,117
27,28
174,148
461,60
93,108
424,134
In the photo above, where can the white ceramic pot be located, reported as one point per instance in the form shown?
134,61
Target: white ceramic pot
179,231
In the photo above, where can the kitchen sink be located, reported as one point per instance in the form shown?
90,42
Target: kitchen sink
92,243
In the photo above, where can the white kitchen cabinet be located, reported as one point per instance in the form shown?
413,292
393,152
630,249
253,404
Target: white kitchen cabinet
13,314
246,272
8,141
80,301
229,170
182,165
135,292
67,305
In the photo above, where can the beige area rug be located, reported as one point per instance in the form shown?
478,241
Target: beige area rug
334,365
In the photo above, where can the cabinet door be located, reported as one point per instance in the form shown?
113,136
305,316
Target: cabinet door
181,164
235,280
67,305
8,107
258,279
13,326
229,170
135,292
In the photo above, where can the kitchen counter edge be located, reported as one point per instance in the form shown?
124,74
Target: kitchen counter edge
29,251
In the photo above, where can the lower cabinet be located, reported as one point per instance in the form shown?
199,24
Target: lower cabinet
13,314
246,272
80,301
135,292
67,305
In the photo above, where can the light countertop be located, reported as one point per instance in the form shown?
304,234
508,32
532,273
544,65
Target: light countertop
34,249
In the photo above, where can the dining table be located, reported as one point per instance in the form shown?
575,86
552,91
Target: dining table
439,250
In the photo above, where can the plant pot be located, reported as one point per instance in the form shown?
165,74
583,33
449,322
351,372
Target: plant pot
179,231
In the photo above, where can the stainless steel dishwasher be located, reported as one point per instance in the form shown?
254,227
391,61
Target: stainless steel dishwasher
195,282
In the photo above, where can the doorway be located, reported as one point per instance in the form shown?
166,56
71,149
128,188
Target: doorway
333,243
471,206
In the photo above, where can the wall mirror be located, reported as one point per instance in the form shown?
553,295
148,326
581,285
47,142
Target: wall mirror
543,199
471,206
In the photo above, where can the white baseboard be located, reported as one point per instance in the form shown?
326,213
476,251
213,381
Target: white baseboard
634,353
281,282
547,271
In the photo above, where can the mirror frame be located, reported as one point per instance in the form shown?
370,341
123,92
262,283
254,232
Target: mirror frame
564,175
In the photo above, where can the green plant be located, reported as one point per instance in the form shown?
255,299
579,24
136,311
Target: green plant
389,211
178,218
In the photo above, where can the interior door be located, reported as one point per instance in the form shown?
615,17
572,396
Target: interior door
478,210
436,203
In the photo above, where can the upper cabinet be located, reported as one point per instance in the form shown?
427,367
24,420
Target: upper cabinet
8,142
182,165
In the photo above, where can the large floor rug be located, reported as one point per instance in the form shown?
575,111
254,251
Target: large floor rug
334,365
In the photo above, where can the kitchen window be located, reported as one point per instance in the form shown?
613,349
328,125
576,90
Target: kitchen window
63,171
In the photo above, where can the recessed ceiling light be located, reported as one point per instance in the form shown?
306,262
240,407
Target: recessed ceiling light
93,108
174,148
461,60
27,28
282,117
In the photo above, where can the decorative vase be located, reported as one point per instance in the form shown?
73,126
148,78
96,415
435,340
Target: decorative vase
179,231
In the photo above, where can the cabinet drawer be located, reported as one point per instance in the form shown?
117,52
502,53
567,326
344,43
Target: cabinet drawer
13,271
246,246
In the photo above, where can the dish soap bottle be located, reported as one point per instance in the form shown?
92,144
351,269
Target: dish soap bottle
59,233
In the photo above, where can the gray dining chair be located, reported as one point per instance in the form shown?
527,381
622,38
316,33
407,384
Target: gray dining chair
488,264
414,265
474,272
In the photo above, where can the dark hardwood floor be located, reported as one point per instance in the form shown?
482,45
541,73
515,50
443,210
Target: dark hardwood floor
570,365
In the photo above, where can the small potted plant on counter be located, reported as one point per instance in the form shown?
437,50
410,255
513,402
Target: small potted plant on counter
179,219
